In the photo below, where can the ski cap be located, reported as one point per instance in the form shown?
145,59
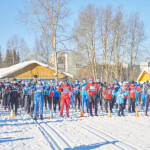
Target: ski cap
39,79
116,80
98,79
120,89
84,79
91,79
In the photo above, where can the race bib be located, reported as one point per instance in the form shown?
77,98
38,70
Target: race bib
108,91
92,88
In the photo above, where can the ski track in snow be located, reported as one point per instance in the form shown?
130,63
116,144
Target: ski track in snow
102,132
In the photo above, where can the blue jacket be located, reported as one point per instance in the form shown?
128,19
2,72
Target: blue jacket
120,96
116,87
56,93
27,90
76,89
83,85
46,92
39,89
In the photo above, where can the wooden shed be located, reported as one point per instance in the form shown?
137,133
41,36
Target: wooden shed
26,70
144,76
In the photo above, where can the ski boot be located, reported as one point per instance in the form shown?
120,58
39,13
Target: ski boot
61,115
41,117
35,118
67,115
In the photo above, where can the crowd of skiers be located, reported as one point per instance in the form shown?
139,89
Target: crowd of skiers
86,96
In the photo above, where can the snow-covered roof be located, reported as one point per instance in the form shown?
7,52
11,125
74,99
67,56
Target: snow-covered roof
146,70
6,71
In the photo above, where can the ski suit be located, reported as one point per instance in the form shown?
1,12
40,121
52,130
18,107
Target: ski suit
116,88
56,98
84,95
132,90
108,98
126,93
64,89
92,87
76,95
14,95
120,101
38,99
27,98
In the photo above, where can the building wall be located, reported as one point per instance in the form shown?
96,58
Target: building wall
31,70
145,65
145,76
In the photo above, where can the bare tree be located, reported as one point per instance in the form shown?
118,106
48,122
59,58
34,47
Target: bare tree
48,17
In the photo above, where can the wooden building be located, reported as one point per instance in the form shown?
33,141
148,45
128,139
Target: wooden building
26,70
144,76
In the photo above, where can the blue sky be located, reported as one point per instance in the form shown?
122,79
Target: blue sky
10,24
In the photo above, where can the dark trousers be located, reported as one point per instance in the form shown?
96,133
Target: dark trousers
106,104
45,100
114,102
56,101
6,100
147,104
121,108
50,102
93,100
125,102
76,98
131,104
27,103
14,101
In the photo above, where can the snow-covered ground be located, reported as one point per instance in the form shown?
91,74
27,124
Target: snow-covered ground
102,132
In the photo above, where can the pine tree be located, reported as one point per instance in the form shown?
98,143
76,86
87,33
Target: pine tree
8,59
1,60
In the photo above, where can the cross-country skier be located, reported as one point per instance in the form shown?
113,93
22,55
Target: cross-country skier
92,87
108,97
116,87
84,95
38,98
120,100
64,89
132,90
76,94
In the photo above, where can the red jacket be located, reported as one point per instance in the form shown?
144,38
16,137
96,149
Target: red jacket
108,93
132,90
92,87
64,89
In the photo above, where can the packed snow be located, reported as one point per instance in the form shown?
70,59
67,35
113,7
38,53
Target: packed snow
75,132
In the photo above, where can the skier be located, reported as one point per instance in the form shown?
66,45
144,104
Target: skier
76,94
27,91
132,90
46,94
38,98
126,93
108,97
6,94
92,87
64,89
116,87
120,100
84,95
99,93
14,95
148,99
56,98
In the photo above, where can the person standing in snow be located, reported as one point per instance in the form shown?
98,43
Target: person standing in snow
64,89
108,97
14,95
56,98
120,100
92,87
38,98
148,99
131,103
126,93
76,94
84,95
6,94
99,93
116,87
